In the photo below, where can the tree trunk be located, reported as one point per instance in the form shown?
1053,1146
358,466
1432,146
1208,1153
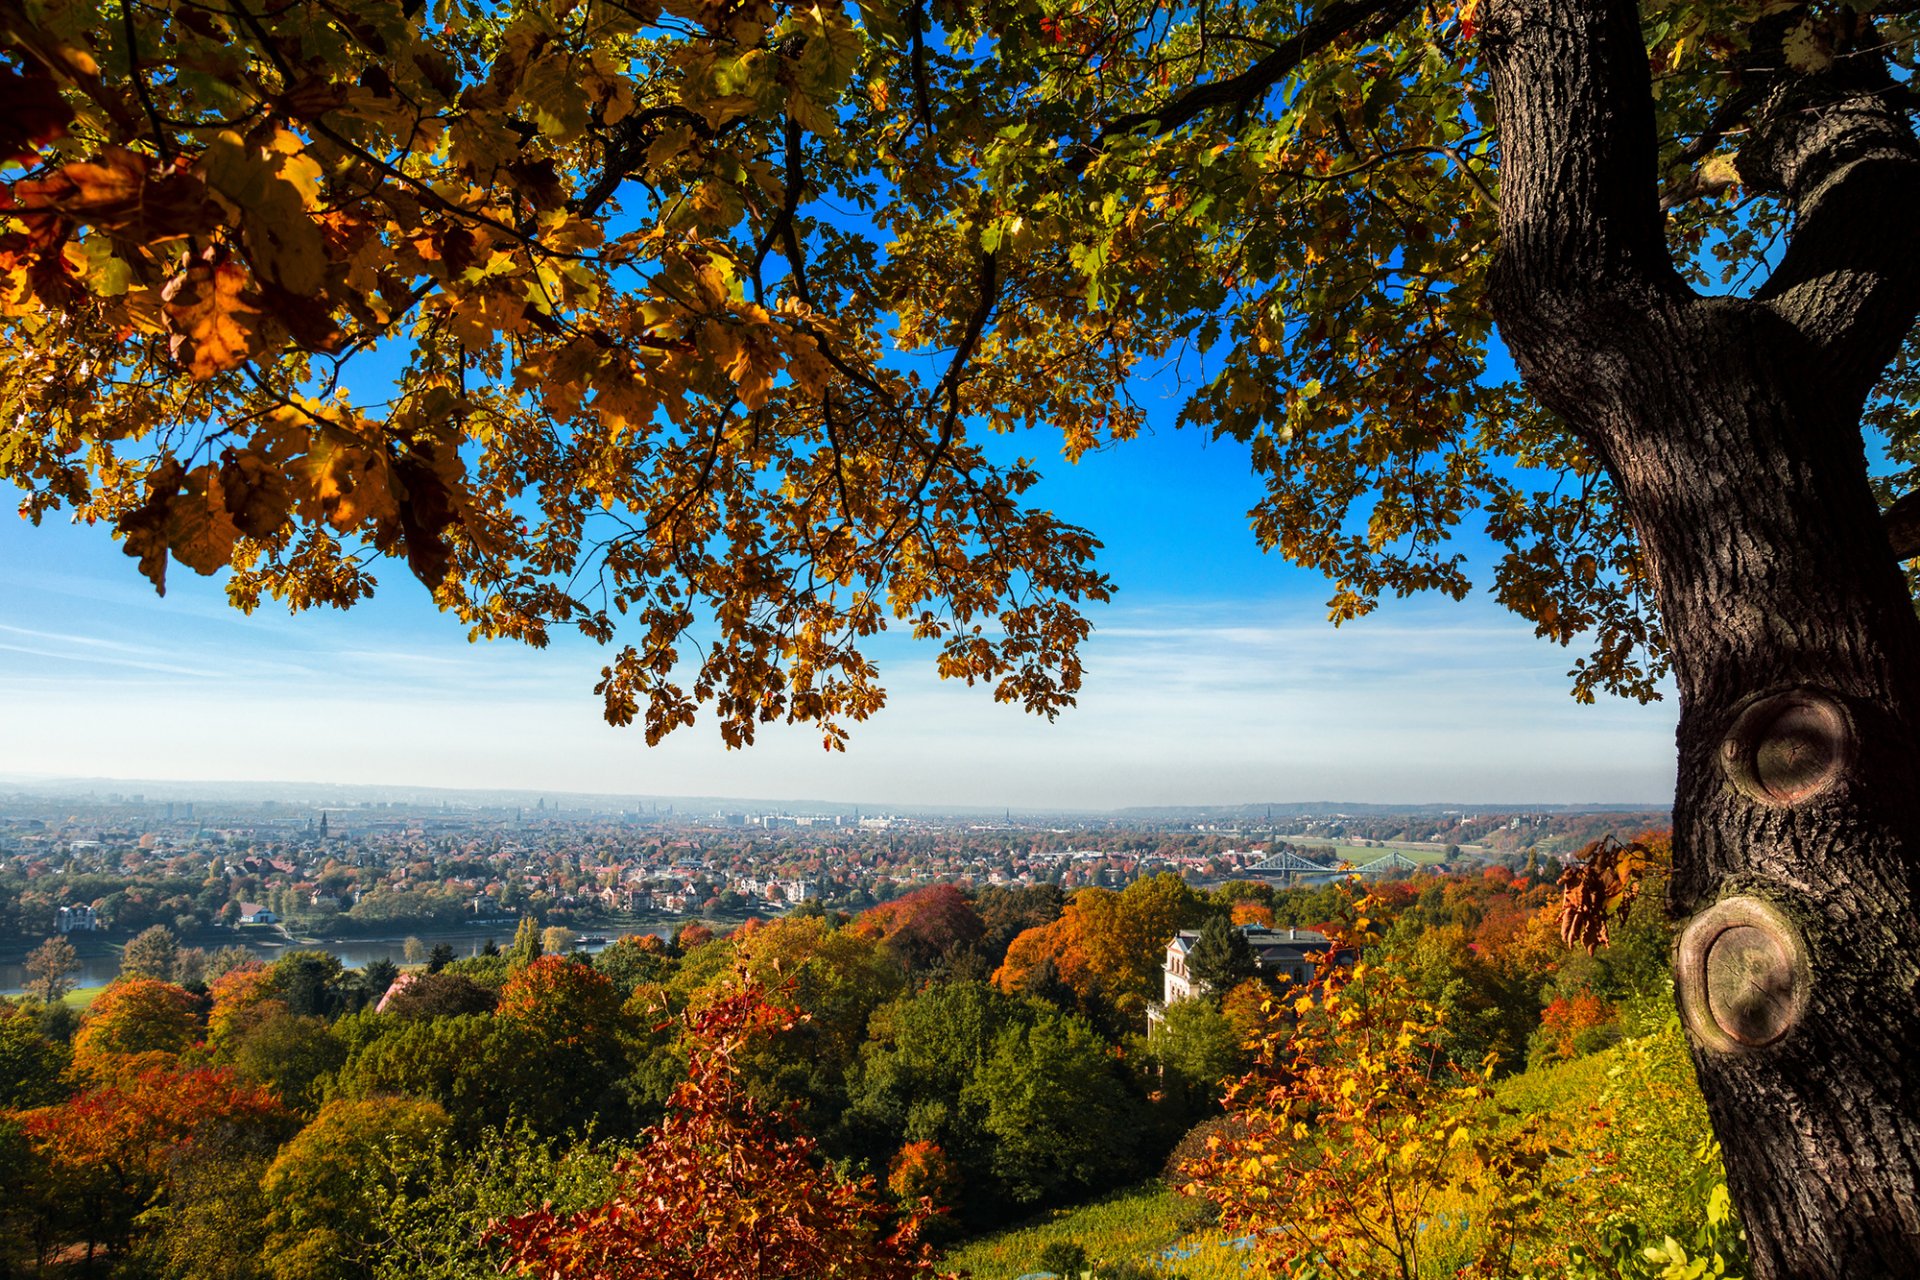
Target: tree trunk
1731,427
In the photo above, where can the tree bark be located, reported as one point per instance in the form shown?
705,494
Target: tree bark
1731,427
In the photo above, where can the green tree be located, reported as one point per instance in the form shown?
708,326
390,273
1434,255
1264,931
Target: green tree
430,1219
1195,1049
635,959
50,969
153,953
31,1061
1221,956
1062,1118
292,1054
310,982
414,951
527,944
377,976
921,1054
320,1208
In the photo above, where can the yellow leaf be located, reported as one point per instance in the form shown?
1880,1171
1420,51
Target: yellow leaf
350,481
271,191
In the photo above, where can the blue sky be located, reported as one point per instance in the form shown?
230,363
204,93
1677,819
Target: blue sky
1213,677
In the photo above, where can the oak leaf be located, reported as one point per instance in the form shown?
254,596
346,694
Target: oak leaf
212,321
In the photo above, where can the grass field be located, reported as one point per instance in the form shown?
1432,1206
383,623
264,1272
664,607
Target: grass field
82,997
1133,1225
1147,1225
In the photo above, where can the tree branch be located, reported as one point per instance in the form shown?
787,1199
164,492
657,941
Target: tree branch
1902,521
1846,158
1583,240
1358,19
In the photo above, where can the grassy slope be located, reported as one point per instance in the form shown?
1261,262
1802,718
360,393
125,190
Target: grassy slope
1132,1223
1150,1225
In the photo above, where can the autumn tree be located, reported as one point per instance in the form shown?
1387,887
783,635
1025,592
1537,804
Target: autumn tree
50,969
927,926
1355,1134
724,1188
110,1151
153,953
646,274
563,1003
135,1023
1107,947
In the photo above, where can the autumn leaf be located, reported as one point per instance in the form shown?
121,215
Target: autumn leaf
200,530
349,481
144,530
272,190
212,323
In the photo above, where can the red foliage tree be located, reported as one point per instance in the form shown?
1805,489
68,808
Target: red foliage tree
106,1154
1562,1021
926,925
724,1189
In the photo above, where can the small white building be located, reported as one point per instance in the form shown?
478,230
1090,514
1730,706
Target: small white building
254,913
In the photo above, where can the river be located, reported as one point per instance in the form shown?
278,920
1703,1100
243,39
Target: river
97,971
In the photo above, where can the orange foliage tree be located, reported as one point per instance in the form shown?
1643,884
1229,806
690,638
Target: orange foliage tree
1253,913
922,1171
242,997
1564,1018
563,1002
135,1023
725,1189
1106,944
107,1153
1353,1135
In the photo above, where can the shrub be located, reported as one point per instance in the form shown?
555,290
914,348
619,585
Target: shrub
1063,1258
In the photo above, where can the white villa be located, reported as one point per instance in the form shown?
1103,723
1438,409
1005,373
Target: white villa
1276,953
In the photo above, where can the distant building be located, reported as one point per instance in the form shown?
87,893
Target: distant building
254,913
78,920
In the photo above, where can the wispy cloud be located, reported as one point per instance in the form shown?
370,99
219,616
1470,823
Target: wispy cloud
1221,700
